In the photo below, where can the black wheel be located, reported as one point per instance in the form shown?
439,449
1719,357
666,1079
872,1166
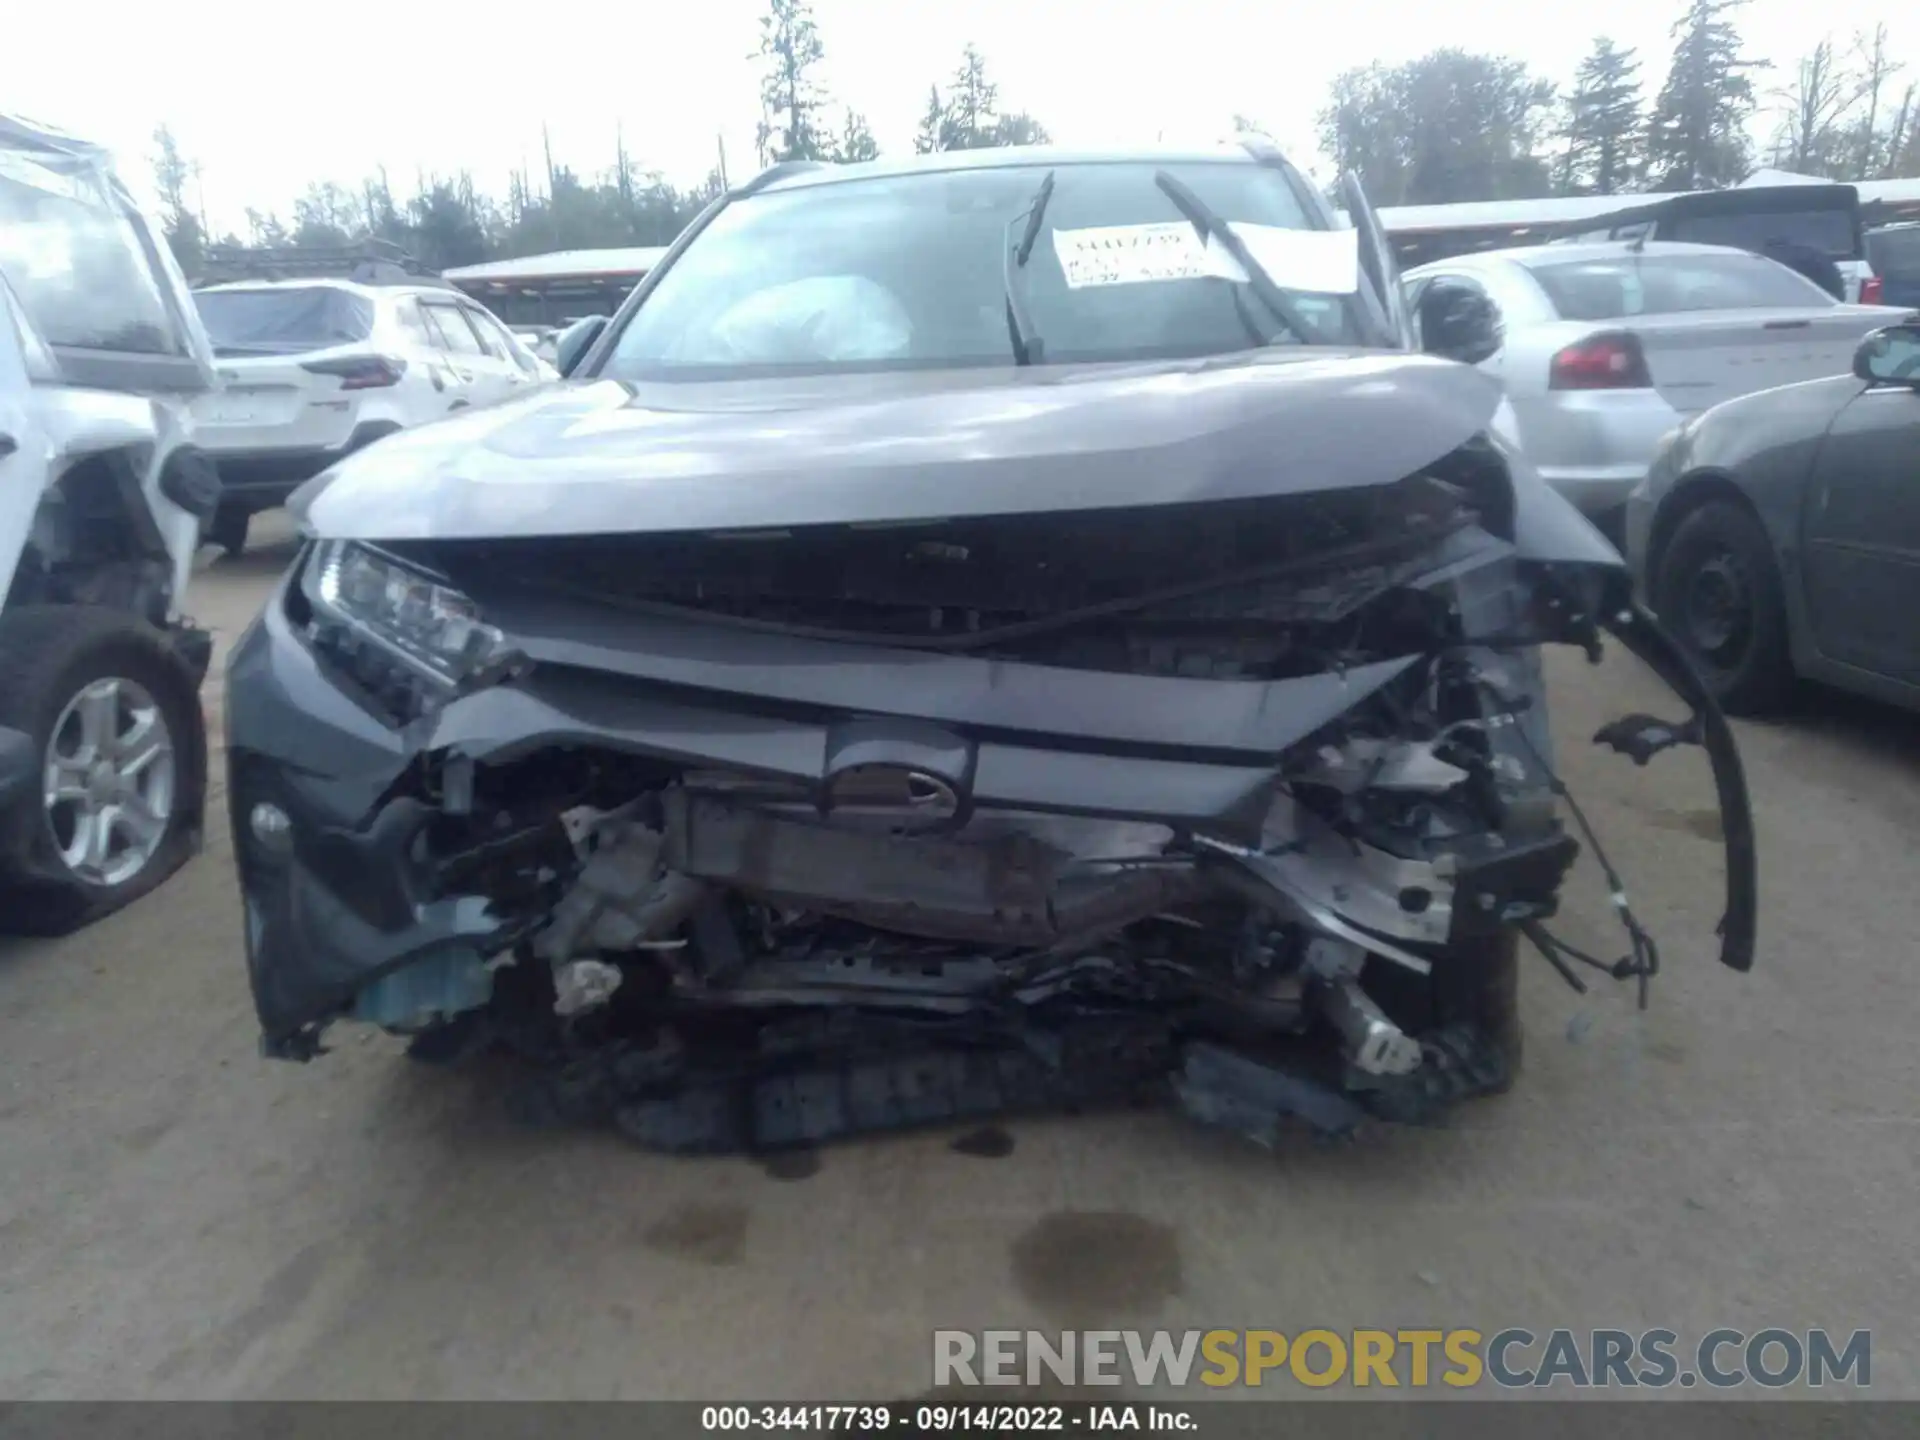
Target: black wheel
229,529
114,716
1717,588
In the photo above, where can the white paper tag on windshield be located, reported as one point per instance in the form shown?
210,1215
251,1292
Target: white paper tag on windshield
1132,254
1327,261
1324,261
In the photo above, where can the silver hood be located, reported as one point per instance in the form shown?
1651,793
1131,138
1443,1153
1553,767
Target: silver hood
611,458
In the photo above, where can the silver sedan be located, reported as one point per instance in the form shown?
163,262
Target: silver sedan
1605,348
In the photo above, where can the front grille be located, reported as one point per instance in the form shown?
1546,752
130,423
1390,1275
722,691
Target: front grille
947,581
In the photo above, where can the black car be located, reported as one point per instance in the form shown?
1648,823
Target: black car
990,631
1778,535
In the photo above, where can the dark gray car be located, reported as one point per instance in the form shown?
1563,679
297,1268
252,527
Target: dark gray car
1004,629
1778,535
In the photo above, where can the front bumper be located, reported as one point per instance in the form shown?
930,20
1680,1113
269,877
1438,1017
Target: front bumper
335,898
332,845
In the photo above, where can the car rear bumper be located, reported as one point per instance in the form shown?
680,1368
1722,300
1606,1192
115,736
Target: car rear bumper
1599,491
1594,446
260,479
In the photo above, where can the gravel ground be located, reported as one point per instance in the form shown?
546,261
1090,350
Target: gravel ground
179,1218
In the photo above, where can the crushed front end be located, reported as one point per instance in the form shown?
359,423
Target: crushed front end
752,839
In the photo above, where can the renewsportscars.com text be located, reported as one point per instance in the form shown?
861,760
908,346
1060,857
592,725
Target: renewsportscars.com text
1513,1358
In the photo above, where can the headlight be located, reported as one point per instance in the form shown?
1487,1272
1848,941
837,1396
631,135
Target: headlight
401,634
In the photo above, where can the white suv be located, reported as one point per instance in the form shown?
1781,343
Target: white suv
312,370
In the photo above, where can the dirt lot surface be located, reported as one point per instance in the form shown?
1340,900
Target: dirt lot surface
181,1218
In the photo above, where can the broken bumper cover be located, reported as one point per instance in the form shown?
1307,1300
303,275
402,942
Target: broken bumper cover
343,799
335,899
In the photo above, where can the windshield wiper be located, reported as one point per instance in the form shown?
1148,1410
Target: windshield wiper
1027,345
1202,217
1035,214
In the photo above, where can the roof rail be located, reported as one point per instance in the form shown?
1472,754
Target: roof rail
369,261
779,172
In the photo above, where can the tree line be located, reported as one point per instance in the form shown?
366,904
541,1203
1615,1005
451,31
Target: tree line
1449,126
1454,126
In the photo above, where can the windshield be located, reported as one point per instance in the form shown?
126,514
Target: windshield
76,263
1895,254
1830,232
283,319
897,272
1616,287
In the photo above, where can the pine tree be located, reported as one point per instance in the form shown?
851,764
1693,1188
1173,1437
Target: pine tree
856,141
932,125
973,104
171,171
790,99
1697,138
1605,130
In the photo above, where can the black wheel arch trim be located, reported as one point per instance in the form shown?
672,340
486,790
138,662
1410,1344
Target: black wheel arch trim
1642,634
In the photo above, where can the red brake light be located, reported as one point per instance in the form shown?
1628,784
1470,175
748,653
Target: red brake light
1613,361
361,372
1870,291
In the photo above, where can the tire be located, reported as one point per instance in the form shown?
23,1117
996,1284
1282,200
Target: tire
229,529
62,666
1717,589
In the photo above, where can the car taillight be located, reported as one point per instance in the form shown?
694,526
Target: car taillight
1870,290
1613,361
360,372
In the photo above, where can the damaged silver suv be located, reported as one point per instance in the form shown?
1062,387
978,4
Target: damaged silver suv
976,633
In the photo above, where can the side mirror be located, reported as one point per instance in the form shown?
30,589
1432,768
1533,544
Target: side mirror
1890,356
1458,323
575,341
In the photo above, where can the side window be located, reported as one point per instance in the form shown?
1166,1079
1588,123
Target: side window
493,332
455,335
414,326
490,338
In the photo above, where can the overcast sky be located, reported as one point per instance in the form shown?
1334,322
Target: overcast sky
266,104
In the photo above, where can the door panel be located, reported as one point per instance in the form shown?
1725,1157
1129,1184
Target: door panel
22,447
522,369
1377,265
1862,562
495,375
462,350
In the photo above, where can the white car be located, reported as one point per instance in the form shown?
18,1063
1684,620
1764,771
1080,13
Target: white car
312,370
103,751
1603,348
